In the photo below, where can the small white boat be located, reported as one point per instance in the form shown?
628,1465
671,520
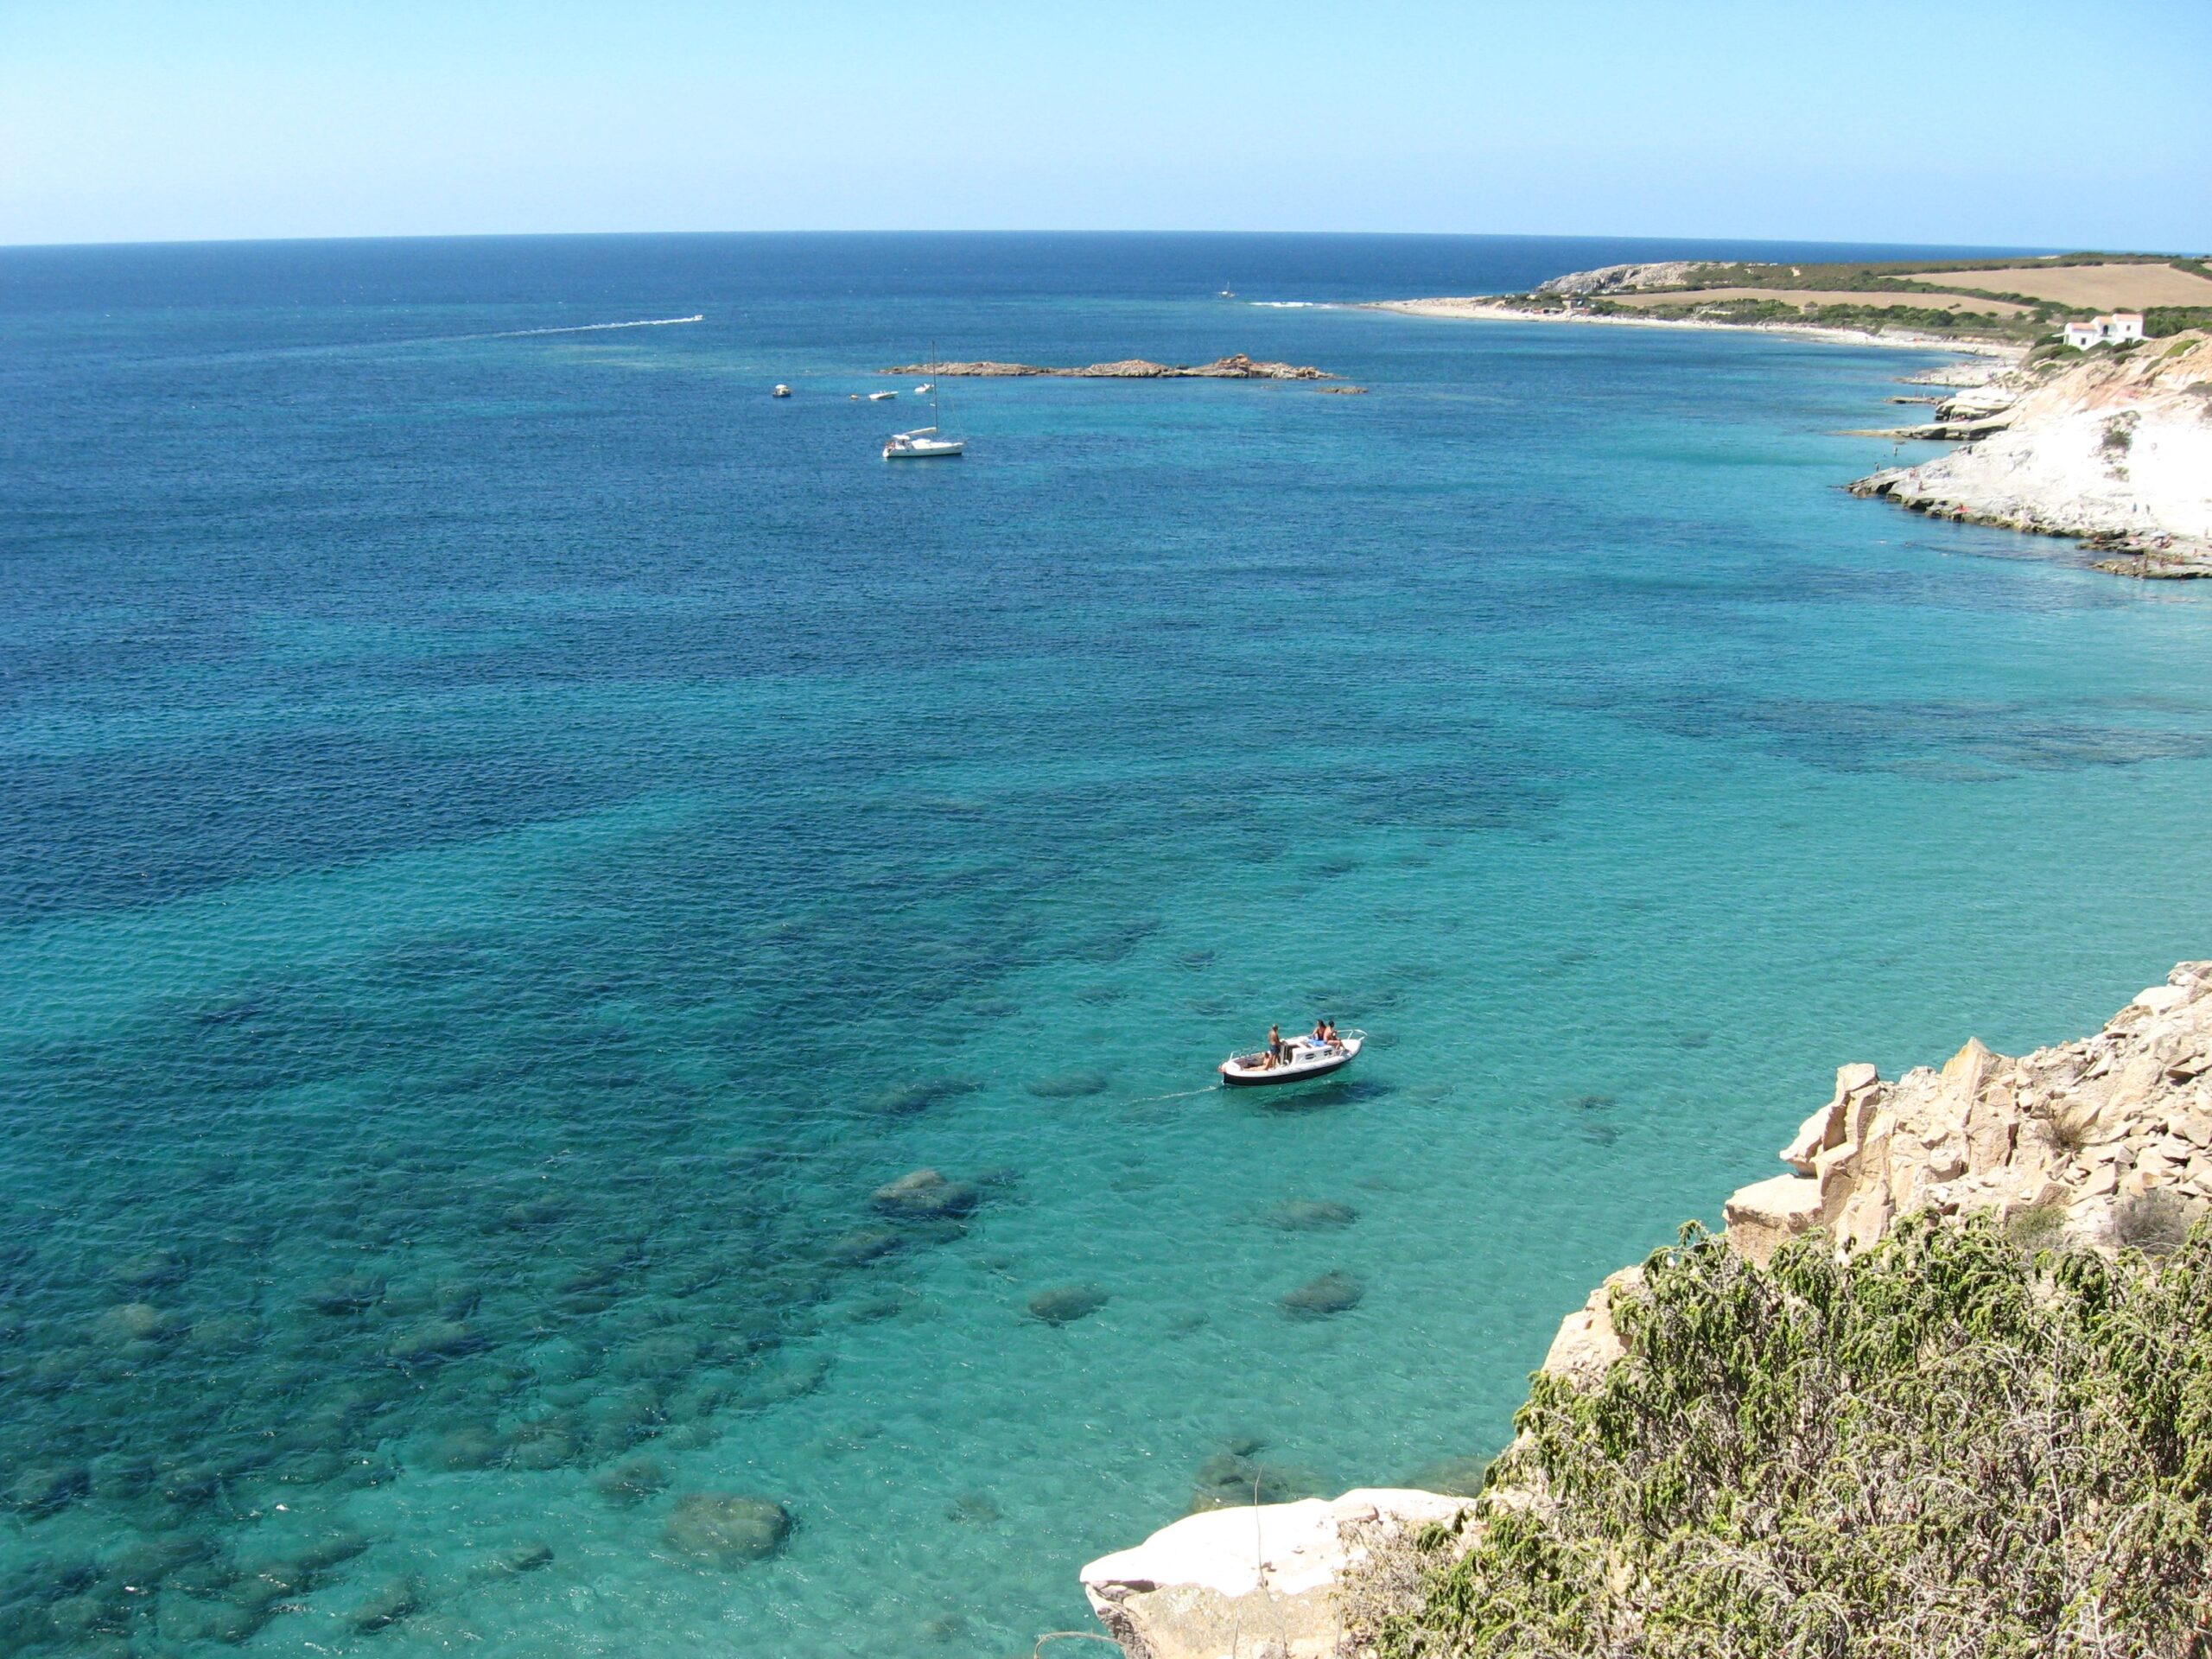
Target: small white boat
921,444
926,388
881,396
1303,1057
781,391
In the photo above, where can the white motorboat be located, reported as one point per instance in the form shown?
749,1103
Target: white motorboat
921,444
781,391
881,396
1302,1058
926,388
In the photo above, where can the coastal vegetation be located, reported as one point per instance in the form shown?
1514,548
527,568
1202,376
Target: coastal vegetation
2003,301
1969,1439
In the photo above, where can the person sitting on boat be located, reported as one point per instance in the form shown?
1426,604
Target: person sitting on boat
1321,1031
1329,1035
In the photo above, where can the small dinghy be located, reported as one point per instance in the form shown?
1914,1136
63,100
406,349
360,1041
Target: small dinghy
1303,1057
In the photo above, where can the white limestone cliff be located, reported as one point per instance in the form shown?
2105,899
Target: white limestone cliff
2117,448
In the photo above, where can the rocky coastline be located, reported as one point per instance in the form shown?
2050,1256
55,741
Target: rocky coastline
2084,1143
2113,449
1235,367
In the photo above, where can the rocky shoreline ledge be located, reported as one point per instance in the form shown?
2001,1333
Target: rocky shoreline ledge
1235,367
2097,1143
2111,449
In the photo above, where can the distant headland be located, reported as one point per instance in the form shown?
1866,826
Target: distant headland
2092,419
1992,302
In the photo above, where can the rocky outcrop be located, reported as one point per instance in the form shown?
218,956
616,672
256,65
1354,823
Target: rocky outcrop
1236,367
2098,1140
1249,1581
1621,279
2117,448
2076,1133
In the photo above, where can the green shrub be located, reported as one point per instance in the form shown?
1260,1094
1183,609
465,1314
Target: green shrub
2040,1228
2159,320
1940,1447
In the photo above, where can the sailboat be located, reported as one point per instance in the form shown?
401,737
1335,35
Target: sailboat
922,443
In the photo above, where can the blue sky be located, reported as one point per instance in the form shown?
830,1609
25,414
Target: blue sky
2026,123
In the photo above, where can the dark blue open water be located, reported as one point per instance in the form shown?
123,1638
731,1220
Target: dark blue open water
507,839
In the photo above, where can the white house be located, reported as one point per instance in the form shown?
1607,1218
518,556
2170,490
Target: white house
2120,324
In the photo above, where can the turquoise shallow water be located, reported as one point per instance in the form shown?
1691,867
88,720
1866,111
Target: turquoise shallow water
510,839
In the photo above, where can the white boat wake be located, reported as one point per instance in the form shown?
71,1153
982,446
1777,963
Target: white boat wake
586,327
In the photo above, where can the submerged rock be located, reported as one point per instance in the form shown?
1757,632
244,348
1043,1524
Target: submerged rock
1230,1478
1309,1215
544,1442
1455,1476
189,1621
1070,1085
130,1322
666,1353
43,1489
432,1341
1334,1292
187,1560
630,1483
339,1545
120,1476
908,1099
864,1245
149,1270
1067,1304
528,1214
780,1382
974,1509
922,1194
725,1529
526,1557
352,1293
471,1446
397,1599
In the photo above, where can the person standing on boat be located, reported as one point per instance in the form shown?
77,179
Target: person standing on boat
1274,1044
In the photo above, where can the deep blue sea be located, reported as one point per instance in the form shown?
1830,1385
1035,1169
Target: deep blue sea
509,836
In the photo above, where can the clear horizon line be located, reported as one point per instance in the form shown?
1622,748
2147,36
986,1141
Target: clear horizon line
1497,236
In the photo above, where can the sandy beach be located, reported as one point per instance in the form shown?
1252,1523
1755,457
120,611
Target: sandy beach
1478,308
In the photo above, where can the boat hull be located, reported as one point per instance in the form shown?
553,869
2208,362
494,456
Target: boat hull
1236,1076
935,452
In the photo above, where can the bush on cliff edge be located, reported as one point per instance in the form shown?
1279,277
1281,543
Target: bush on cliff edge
1948,1445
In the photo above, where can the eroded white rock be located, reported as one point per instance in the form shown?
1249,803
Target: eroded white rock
1245,1581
